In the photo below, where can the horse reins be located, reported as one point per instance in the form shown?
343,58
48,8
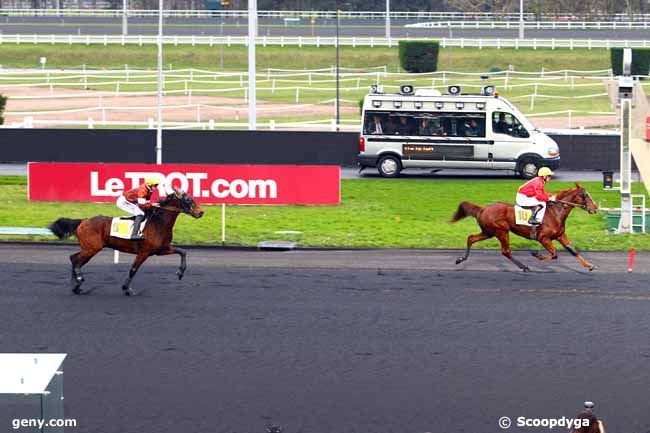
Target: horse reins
582,206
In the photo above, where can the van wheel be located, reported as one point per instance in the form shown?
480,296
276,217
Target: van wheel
528,167
389,166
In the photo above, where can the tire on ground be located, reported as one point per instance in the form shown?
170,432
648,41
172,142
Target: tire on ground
389,166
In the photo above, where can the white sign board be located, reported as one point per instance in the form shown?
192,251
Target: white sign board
28,373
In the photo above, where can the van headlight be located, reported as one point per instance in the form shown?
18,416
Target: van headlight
553,151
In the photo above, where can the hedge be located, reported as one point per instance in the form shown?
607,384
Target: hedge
419,56
3,104
640,61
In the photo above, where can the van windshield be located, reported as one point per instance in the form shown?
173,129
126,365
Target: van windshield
443,124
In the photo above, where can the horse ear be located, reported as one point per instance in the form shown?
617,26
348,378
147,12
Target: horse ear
578,185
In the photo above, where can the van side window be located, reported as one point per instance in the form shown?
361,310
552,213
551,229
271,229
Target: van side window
506,123
376,123
473,126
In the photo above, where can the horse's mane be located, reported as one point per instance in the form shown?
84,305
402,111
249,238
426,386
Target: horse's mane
565,192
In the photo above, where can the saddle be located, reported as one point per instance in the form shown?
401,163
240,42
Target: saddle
121,227
522,216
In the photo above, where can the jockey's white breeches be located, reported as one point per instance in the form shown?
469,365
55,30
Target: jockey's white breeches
129,207
525,201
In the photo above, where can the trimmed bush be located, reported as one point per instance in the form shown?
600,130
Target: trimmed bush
640,61
3,104
419,56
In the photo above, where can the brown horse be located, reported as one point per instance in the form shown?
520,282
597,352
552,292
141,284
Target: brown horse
498,219
94,235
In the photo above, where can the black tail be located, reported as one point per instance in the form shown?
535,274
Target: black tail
465,209
64,227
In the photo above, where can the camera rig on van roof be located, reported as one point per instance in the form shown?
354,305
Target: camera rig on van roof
453,90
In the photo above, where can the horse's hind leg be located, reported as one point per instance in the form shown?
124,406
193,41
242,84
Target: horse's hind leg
472,239
548,245
504,239
139,260
181,252
78,260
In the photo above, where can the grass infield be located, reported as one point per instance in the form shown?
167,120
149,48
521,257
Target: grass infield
404,213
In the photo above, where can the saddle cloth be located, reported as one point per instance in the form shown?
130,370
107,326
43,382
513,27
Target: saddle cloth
522,215
121,227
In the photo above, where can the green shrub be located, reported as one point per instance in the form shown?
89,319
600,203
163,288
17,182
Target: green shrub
640,61
419,56
3,103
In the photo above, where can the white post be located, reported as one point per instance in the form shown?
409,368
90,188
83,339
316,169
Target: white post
521,19
223,221
252,30
388,21
160,84
116,256
125,24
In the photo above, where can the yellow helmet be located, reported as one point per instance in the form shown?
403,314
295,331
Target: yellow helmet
152,181
545,171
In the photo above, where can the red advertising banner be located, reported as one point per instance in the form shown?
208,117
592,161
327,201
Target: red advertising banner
230,184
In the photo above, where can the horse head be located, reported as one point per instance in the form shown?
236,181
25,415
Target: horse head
579,197
183,201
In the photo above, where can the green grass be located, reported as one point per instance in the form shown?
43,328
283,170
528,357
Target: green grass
292,57
374,213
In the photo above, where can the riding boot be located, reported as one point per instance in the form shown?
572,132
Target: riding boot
136,226
533,217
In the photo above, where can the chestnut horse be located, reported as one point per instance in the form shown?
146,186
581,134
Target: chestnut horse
498,219
94,235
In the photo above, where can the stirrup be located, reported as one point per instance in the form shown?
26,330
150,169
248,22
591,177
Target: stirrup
534,222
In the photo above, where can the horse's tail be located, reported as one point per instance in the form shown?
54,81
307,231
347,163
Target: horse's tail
465,209
64,227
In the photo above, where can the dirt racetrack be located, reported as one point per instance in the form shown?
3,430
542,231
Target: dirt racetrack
334,341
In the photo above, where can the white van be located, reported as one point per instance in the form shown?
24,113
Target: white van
425,129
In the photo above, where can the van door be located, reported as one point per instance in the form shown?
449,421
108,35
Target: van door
511,139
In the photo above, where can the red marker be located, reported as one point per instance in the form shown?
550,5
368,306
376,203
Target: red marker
630,262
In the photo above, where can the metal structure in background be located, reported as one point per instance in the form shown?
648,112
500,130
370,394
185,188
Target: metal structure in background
625,95
9,8
34,374
252,38
160,84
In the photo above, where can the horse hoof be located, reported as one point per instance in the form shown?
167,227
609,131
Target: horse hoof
525,269
459,260
128,291
180,274
592,267
76,290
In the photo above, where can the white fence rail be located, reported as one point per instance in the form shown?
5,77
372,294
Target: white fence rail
458,16
320,41
533,25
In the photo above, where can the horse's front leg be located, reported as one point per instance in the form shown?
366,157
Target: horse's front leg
181,252
548,245
564,240
139,260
